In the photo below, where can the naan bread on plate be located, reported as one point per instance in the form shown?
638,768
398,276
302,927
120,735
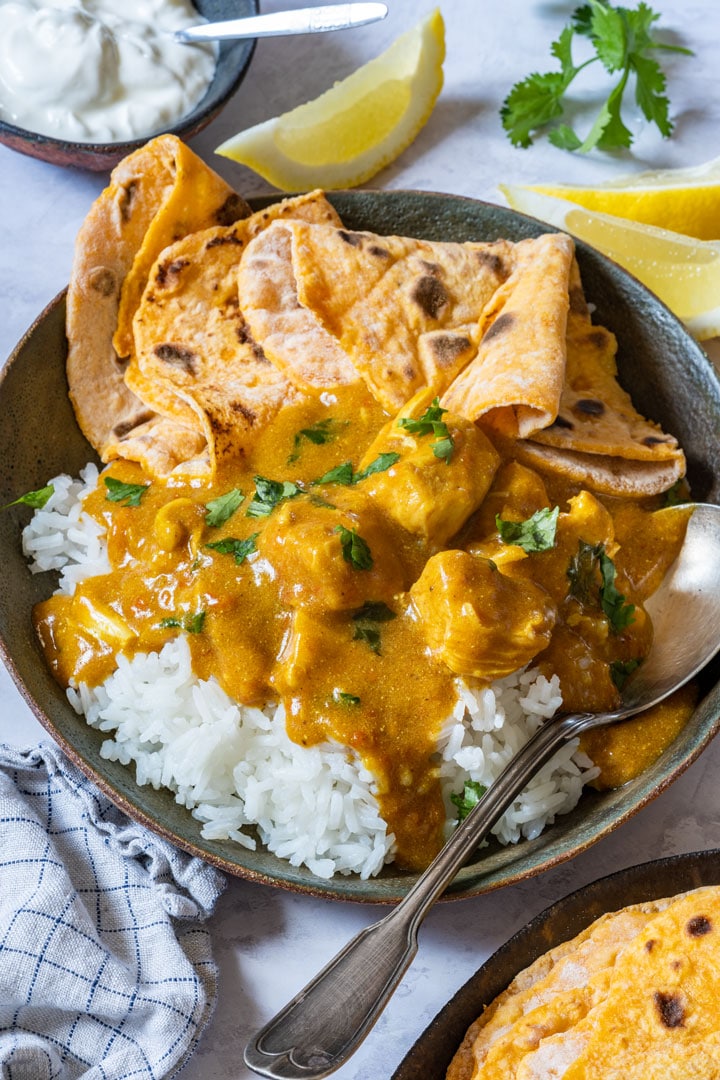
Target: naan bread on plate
633,996
159,193
195,357
405,311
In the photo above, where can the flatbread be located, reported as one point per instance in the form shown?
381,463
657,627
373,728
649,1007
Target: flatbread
196,360
514,383
633,996
291,336
405,311
160,192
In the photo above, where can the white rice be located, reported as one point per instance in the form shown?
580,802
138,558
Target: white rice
235,768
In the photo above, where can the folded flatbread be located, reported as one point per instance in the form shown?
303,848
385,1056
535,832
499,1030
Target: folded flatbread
159,193
196,360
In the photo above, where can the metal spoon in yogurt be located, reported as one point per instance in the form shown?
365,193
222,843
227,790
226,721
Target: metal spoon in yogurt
314,20
324,1024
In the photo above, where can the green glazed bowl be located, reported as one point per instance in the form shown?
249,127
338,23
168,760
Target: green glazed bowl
670,379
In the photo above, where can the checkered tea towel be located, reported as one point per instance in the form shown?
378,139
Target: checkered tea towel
105,967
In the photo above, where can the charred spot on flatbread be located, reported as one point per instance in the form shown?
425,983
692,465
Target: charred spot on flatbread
430,295
670,1009
233,209
698,926
502,325
177,356
588,407
122,430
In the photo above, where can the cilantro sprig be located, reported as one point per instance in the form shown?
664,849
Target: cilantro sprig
536,533
431,423
34,499
319,434
623,43
591,574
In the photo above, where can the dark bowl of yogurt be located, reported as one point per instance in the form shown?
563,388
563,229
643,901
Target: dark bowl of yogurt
85,88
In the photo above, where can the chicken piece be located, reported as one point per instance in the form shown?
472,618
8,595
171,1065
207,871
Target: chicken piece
331,557
427,495
477,620
516,494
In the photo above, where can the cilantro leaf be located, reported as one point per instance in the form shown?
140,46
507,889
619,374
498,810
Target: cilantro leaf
536,533
324,431
356,551
127,494
622,41
619,613
35,499
621,670
381,463
592,577
341,697
222,509
472,793
268,493
344,474
191,624
431,422
239,549
367,620
341,474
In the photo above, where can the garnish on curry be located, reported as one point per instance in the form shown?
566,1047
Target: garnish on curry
352,469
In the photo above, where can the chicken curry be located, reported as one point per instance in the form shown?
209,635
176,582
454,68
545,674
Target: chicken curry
354,565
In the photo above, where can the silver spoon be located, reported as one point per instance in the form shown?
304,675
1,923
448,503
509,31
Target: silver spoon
314,20
324,1024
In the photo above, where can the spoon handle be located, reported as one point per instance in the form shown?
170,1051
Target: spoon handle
323,1025
315,20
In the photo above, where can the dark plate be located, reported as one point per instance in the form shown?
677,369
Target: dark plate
671,381
232,63
434,1050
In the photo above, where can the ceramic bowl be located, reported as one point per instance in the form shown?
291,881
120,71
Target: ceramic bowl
232,63
670,379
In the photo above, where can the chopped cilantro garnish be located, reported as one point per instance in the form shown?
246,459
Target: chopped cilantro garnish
341,474
536,533
191,624
343,698
355,550
585,567
127,494
324,431
240,549
431,423
472,793
381,463
367,619
222,509
621,670
34,499
268,493
344,474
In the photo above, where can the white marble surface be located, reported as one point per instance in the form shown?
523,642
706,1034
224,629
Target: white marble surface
269,942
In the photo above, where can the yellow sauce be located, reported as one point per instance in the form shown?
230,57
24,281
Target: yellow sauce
366,655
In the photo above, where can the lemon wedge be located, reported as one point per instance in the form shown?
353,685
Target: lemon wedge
683,200
361,124
682,271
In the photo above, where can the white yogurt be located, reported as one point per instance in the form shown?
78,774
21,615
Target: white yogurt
99,70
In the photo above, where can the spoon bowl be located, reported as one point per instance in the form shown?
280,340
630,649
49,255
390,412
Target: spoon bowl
325,1023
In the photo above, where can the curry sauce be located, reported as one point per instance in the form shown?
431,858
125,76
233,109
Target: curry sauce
352,565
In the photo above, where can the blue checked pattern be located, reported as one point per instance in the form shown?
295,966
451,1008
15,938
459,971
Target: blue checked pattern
106,971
